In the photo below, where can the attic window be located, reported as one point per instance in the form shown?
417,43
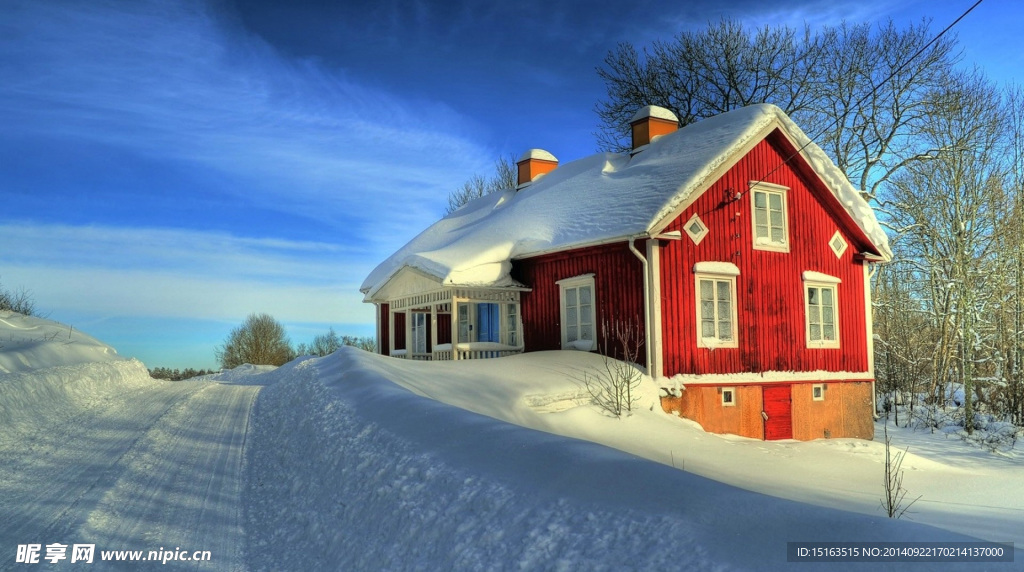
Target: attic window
770,221
696,229
838,244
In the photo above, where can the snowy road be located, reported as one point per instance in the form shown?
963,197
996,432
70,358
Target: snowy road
152,468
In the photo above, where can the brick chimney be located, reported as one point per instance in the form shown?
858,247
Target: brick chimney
649,122
532,164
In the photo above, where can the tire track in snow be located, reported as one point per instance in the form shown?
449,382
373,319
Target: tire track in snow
182,483
63,470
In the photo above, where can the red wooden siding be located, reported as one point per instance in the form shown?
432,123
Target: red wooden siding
384,321
400,331
618,285
770,289
444,328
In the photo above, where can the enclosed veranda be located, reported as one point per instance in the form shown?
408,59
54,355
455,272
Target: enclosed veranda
455,324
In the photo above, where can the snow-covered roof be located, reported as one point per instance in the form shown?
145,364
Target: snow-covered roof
537,154
604,198
653,111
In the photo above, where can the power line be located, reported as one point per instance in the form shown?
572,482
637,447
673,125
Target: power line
875,88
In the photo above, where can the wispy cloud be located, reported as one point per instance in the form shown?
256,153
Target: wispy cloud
174,81
182,274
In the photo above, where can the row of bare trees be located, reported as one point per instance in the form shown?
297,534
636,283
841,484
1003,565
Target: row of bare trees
937,150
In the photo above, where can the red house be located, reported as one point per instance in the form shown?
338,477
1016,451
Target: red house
734,244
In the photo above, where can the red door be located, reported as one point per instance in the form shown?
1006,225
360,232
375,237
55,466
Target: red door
778,412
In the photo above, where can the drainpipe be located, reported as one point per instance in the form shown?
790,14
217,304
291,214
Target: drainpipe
647,300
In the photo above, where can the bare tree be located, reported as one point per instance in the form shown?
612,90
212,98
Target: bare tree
862,91
260,340
504,177
19,301
895,493
947,213
612,387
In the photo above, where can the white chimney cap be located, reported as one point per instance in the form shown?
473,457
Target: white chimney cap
654,111
537,154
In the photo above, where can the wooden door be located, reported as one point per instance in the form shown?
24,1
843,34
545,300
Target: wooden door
778,412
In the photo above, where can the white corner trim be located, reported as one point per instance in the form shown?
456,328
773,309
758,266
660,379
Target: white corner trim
722,268
812,276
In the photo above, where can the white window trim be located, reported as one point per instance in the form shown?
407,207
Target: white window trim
699,236
842,250
732,392
769,188
820,386
721,273
576,282
511,321
417,335
818,280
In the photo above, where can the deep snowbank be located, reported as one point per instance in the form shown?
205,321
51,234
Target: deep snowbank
32,399
50,373
28,343
350,471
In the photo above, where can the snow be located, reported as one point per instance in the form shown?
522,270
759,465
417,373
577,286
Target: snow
726,268
28,343
812,276
539,154
362,462
602,198
653,111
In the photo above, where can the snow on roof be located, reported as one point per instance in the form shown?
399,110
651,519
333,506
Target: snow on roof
537,154
653,111
603,198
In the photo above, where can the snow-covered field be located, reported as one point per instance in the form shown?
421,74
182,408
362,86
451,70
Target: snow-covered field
359,462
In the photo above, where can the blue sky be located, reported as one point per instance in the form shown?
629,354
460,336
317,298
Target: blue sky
168,167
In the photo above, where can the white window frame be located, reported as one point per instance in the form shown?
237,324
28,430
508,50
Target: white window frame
577,282
419,331
821,282
465,323
716,272
696,237
842,244
731,392
769,189
820,389
512,329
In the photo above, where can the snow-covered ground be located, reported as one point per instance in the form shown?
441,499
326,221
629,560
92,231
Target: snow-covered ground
359,462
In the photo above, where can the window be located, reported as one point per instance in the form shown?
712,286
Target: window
818,392
512,325
577,309
716,304
838,244
728,396
419,333
822,303
696,229
771,229
464,328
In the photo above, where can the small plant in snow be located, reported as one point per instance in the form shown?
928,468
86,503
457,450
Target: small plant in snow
895,494
612,388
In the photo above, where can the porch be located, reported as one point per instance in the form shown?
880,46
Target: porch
456,324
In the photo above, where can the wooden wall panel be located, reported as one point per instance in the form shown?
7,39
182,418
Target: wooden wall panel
703,404
382,343
770,295
400,331
618,284
845,412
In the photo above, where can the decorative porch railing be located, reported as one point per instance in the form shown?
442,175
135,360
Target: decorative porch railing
446,354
